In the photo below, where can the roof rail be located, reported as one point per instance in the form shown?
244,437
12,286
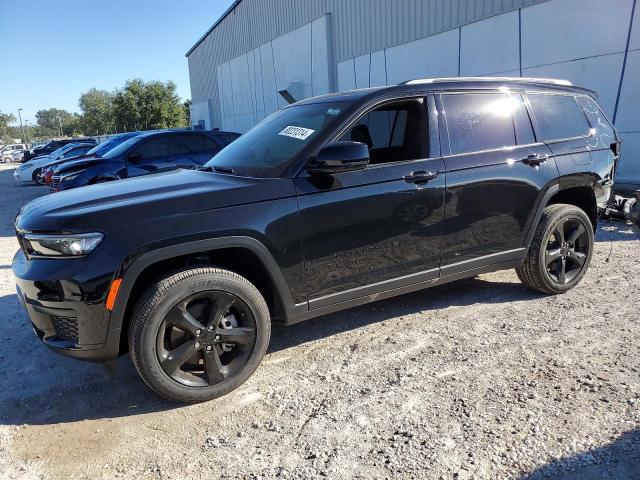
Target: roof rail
551,81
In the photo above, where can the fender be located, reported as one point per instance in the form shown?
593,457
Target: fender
135,268
550,190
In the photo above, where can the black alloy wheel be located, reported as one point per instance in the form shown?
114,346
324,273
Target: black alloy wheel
199,333
206,338
567,250
560,251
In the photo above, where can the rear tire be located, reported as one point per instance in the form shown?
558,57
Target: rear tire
560,251
199,334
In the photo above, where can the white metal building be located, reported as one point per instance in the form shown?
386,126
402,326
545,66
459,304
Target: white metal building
310,47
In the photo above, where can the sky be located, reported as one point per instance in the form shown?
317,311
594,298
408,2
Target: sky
53,51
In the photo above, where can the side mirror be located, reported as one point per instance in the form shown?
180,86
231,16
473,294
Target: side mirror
134,157
339,157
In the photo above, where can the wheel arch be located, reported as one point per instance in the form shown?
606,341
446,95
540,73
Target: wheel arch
245,256
572,191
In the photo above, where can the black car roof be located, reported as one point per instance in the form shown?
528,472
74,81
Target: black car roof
454,83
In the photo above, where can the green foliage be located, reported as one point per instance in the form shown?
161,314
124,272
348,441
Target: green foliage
148,105
97,112
58,121
5,120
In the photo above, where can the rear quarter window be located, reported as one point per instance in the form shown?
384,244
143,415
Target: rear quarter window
604,130
558,116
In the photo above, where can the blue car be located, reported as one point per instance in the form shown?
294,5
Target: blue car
143,154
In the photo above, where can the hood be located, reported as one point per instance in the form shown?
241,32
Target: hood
79,160
144,199
76,163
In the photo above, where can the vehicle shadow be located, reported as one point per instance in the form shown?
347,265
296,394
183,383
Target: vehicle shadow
41,387
618,459
461,293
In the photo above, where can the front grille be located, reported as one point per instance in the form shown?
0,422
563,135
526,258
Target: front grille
66,328
55,182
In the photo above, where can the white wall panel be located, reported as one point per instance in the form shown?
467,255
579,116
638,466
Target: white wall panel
291,59
634,43
628,118
226,94
508,73
490,45
435,56
562,30
362,66
378,71
601,74
242,93
201,111
321,71
346,75
268,79
629,167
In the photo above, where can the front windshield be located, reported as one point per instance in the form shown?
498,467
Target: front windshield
61,150
265,150
101,149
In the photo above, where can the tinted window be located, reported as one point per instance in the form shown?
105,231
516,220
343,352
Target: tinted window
267,148
156,147
479,121
210,145
186,143
558,116
393,133
524,130
598,119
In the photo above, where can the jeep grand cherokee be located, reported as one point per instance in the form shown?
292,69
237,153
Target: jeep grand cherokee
332,202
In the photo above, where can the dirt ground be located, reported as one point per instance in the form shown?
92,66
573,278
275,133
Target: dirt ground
476,379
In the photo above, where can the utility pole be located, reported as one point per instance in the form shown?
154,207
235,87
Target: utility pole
21,129
60,124
26,124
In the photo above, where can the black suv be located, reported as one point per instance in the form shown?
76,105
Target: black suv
332,202
142,154
52,146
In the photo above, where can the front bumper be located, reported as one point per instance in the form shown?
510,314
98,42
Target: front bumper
66,304
22,176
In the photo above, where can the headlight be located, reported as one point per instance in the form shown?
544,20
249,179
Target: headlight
71,176
62,245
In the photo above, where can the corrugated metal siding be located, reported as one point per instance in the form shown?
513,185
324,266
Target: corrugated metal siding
359,26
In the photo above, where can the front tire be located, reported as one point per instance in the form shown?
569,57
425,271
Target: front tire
199,334
560,251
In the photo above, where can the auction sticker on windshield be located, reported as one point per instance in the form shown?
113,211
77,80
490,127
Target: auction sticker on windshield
300,133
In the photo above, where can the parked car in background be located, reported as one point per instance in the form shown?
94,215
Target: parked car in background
54,145
16,157
6,154
96,152
329,203
143,154
32,170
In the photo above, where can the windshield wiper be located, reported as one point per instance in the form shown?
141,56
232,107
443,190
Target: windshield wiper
222,170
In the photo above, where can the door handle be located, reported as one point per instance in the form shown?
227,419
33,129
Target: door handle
535,159
420,177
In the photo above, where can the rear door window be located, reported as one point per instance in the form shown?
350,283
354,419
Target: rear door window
479,121
558,116
186,143
161,146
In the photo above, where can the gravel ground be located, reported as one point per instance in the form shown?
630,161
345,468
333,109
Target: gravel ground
477,379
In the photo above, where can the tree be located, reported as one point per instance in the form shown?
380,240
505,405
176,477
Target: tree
187,110
97,112
148,105
5,120
58,121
